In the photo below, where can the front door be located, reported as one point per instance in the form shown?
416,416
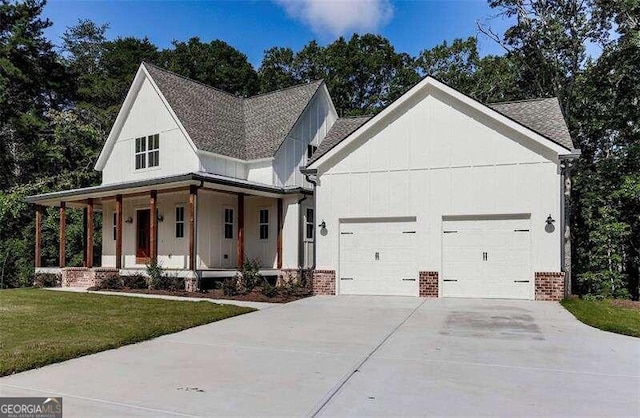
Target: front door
143,236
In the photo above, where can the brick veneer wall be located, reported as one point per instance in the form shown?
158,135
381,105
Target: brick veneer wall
324,282
549,286
86,277
428,284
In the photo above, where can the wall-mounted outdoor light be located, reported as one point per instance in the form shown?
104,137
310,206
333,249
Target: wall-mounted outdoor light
323,228
160,218
549,224
129,220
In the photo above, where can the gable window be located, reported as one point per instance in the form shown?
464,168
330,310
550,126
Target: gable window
179,221
115,226
309,224
228,223
310,150
264,223
147,151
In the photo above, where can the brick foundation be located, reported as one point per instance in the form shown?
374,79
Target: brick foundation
549,286
86,277
190,284
324,282
428,285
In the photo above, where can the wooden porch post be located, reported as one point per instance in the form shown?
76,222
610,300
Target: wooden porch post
153,226
279,240
240,243
63,234
119,231
193,192
89,260
38,255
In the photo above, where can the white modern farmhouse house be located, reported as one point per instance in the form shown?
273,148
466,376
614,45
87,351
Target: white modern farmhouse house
437,195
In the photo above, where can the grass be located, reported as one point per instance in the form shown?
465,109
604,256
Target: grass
39,327
605,315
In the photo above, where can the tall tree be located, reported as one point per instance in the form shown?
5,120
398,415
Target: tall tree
216,63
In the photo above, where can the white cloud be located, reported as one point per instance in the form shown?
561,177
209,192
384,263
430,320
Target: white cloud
339,17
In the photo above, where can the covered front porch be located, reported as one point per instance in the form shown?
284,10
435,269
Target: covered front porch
199,226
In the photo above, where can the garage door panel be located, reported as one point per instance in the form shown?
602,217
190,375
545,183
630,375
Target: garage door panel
487,258
392,273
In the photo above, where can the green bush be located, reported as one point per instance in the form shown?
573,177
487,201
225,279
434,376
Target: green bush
269,290
230,286
155,273
250,276
111,282
171,283
47,280
134,282
607,284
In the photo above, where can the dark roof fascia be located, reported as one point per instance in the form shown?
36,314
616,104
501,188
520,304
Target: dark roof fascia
204,178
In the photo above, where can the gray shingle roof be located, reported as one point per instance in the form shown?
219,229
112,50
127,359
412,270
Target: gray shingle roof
541,115
341,129
222,123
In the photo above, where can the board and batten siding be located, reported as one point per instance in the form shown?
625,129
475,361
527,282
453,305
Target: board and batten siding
438,158
149,115
311,128
172,252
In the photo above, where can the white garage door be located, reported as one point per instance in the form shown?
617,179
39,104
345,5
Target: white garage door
378,258
487,258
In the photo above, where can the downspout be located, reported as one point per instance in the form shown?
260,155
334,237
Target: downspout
301,233
566,165
312,177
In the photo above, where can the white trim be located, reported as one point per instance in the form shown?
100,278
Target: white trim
429,81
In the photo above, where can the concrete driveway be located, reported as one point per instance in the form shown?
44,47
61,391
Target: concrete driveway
336,356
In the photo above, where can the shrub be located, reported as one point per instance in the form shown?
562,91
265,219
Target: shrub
230,286
110,282
156,273
608,284
269,290
134,282
171,283
250,275
47,280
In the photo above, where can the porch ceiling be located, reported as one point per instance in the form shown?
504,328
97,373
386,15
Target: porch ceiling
78,197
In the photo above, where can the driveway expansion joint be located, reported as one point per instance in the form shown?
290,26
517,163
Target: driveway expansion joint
329,396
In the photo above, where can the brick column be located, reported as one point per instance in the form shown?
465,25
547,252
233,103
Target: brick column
324,282
428,284
549,285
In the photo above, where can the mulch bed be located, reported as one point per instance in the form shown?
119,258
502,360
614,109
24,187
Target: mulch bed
254,296
625,303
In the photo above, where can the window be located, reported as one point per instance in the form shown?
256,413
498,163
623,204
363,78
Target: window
264,224
147,151
309,223
228,223
310,150
141,153
153,150
115,226
179,221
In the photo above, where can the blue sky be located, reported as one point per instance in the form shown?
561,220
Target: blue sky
255,25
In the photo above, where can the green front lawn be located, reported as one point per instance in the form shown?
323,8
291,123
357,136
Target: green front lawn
605,315
39,327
